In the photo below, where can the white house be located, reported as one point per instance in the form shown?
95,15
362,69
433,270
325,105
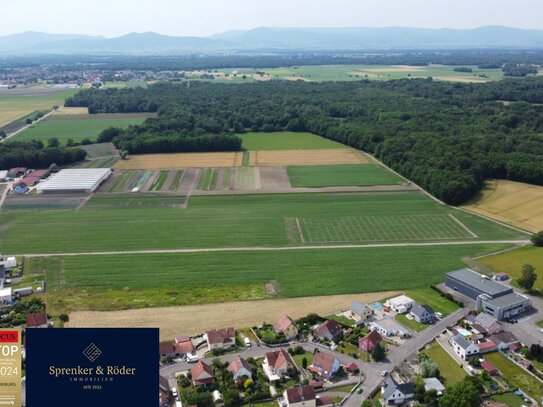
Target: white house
389,327
400,304
423,314
464,348
360,312
395,393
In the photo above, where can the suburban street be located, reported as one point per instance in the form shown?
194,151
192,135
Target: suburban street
371,372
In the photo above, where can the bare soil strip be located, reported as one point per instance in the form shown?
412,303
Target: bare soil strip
195,319
180,160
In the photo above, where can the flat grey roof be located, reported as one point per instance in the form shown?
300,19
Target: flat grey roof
507,300
476,280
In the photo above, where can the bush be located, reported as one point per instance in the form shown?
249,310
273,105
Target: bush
537,239
64,317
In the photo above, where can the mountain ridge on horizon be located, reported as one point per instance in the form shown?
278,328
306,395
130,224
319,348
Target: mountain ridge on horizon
275,38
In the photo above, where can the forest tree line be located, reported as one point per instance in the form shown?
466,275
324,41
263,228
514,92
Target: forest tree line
33,154
447,137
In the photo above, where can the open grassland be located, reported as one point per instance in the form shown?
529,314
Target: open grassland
13,107
515,203
188,319
180,160
511,262
448,368
286,140
227,221
306,157
341,175
76,130
516,376
108,282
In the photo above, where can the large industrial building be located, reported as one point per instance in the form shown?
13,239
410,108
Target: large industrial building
75,180
494,298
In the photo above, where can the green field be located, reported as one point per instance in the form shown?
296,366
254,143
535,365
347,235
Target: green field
208,180
511,262
510,399
159,181
286,140
76,130
448,368
411,323
144,280
341,175
516,376
121,182
106,224
176,182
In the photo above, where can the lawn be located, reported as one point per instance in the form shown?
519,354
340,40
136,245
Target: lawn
341,175
510,399
103,283
106,224
448,368
511,262
427,296
411,323
299,359
516,376
286,140
76,130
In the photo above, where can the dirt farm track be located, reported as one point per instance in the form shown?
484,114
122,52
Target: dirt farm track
195,319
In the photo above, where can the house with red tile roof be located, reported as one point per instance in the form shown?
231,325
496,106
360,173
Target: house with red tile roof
37,320
305,396
202,375
328,330
287,327
240,368
221,338
368,342
277,363
324,364
490,368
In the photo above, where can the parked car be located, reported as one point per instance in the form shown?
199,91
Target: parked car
384,373
247,341
192,358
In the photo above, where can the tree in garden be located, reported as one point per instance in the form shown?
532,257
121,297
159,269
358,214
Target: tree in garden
528,277
378,353
461,394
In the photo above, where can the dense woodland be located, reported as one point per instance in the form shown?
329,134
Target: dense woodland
445,136
33,154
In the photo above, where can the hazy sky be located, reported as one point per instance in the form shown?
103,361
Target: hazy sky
205,17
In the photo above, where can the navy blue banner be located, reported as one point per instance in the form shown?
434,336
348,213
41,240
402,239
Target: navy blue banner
89,367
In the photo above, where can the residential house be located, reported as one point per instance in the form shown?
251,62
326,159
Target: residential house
360,312
490,368
389,327
202,375
172,349
400,304
395,393
37,320
287,327
423,314
433,383
277,363
488,322
304,396
164,392
6,296
329,329
368,342
220,338
240,368
324,364
504,340
464,348
486,346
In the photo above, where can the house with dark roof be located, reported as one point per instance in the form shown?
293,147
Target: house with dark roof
464,348
174,349
202,375
423,314
504,340
221,338
395,393
329,329
368,342
489,323
324,364
240,368
277,363
37,320
287,327
360,312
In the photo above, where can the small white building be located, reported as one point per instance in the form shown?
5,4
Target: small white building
400,304
464,348
6,296
389,327
433,383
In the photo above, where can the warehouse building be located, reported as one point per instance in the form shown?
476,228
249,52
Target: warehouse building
76,180
494,298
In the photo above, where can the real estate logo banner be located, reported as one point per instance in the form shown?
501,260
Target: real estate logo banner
10,367
87,367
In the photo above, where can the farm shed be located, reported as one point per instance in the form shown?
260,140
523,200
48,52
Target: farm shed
74,180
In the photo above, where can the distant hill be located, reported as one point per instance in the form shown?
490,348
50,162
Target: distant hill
266,38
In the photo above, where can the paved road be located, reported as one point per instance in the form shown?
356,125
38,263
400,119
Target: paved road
278,248
371,371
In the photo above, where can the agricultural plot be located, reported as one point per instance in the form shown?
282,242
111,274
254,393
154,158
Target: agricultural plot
107,162
353,229
76,130
71,111
122,181
135,202
180,160
515,203
159,181
226,221
247,178
102,283
100,150
286,140
306,157
208,180
341,175
176,182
